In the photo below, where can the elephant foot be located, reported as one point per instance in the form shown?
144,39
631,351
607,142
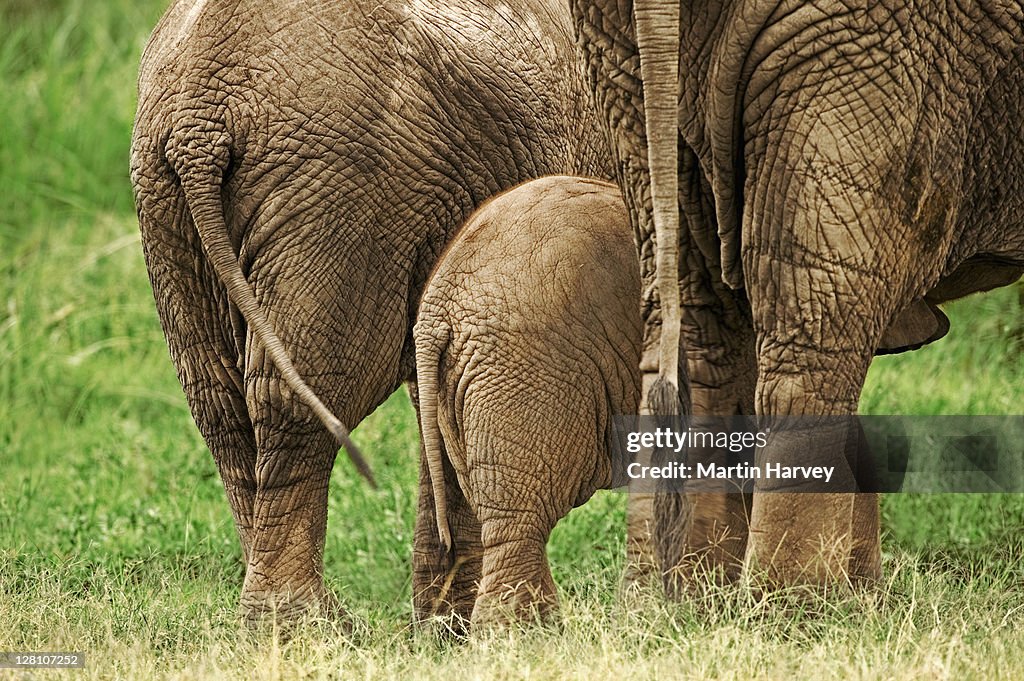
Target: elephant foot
285,612
449,592
702,538
517,587
509,606
444,605
448,628
800,540
638,578
641,571
814,540
866,553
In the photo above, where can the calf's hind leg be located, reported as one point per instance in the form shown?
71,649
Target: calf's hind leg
528,465
444,583
517,582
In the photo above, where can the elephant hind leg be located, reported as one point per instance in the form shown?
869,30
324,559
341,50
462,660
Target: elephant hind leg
523,486
444,586
211,382
530,456
814,368
702,539
284,577
203,340
702,536
295,455
866,551
450,593
517,585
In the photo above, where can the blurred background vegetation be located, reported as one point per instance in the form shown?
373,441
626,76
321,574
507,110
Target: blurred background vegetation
112,518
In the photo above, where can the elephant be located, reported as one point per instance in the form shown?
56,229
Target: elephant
528,343
298,166
807,182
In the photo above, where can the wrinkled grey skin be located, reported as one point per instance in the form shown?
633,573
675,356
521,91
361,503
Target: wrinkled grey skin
528,342
840,172
326,151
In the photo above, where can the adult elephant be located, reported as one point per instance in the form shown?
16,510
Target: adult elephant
298,167
841,169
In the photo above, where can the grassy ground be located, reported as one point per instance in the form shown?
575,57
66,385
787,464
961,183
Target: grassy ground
115,538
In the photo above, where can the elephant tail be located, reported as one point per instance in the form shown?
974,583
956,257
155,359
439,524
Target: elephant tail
199,158
430,343
657,34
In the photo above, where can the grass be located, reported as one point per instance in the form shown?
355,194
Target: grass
116,540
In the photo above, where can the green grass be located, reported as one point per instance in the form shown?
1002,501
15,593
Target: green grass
116,540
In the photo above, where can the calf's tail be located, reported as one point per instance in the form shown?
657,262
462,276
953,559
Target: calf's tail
430,343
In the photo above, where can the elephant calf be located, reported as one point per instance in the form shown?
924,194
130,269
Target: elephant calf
528,341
